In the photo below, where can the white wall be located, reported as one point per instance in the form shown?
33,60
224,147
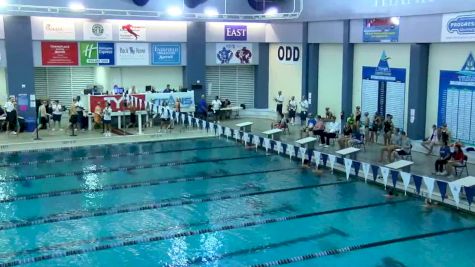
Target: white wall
442,57
3,86
330,65
284,77
369,55
140,77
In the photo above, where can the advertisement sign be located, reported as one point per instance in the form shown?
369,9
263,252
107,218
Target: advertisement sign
132,32
97,31
233,53
187,100
166,54
381,30
117,101
132,54
458,27
59,53
93,53
289,54
59,30
235,32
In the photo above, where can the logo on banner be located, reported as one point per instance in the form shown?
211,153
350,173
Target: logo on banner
381,30
458,27
129,32
97,31
132,54
288,54
235,32
93,53
55,30
233,53
166,54
383,65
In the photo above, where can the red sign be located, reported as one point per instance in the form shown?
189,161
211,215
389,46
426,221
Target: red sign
59,53
118,102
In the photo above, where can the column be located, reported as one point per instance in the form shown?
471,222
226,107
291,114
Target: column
312,76
305,61
20,69
417,100
261,90
195,69
347,72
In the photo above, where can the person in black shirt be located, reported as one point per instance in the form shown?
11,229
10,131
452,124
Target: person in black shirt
388,128
343,140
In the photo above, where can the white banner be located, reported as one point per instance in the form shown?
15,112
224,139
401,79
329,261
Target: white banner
429,182
385,173
227,132
203,124
220,130
317,155
132,32
190,121
59,30
278,147
302,155
455,189
366,168
290,151
406,178
459,27
348,163
256,141
245,138
234,53
267,144
211,128
97,31
332,159
187,100
183,118
132,54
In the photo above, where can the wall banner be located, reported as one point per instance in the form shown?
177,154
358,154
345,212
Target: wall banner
381,30
458,27
457,101
289,54
235,32
59,53
166,54
234,53
132,32
59,30
97,31
117,101
132,54
93,53
187,100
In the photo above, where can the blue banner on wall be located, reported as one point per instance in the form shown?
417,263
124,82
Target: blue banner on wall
381,30
106,53
457,101
166,54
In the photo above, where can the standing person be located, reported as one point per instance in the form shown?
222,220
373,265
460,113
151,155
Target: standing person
165,116
73,115
133,90
98,116
167,89
82,120
432,140
388,128
216,105
279,99
178,105
329,115
292,109
303,110
456,160
358,117
445,155
43,115
57,113
375,124
203,108
366,125
133,115
9,107
107,115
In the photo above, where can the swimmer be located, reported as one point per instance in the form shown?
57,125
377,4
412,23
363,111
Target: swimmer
429,204
391,194
318,172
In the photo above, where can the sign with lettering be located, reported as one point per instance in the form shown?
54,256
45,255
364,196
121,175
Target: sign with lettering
235,32
117,101
166,54
59,30
289,54
97,31
93,54
132,54
381,30
132,32
458,27
234,53
59,53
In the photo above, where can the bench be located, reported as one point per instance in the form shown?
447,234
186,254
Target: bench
307,142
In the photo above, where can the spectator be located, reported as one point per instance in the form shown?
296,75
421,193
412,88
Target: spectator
404,150
216,106
388,128
202,108
165,116
167,89
73,114
445,134
178,105
365,123
43,115
319,130
329,115
303,110
57,113
292,108
445,156
375,126
433,140
279,99
343,140
98,115
333,129
358,117
395,143
356,137
351,121
308,128
11,121
456,160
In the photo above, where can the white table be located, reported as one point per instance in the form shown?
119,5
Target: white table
307,142
119,115
465,182
274,134
352,152
235,108
404,165
245,126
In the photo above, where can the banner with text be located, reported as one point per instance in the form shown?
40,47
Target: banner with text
132,54
132,32
166,54
59,53
381,30
458,27
59,30
187,102
95,31
234,53
117,101
93,53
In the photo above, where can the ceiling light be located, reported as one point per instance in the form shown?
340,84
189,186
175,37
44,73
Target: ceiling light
271,12
174,11
77,7
211,12
3,3
395,20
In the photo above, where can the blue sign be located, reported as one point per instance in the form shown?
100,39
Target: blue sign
462,25
381,30
235,32
166,54
105,53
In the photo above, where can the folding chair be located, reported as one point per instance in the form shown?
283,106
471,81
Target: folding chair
461,167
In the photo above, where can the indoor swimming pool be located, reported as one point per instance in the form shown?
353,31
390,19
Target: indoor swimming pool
210,202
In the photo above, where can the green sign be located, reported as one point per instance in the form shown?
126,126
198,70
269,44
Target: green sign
89,53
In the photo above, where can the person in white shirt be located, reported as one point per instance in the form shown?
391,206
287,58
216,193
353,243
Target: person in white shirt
216,106
303,110
11,121
432,140
107,116
292,109
165,116
332,132
57,112
279,99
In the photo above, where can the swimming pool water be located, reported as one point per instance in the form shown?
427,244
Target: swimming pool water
210,202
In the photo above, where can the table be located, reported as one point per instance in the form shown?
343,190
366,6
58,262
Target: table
404,165
235,108
307,142
273,134
245,126
352,152
119,115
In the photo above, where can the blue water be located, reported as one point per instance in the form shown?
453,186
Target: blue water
198,187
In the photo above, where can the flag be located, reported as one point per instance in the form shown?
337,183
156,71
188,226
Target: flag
375,169
442,189
302,153
366,167
455,189
332,160
417,183
394,176
406,178
429,182
348,163
385,174
317,155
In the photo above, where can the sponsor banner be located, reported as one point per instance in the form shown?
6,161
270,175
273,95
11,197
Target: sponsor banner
97,31
132,32
132,54
235,32
117,101
289,54
381,30
458,27
234,53
59,53
187,100
166,54
93,53
59,30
